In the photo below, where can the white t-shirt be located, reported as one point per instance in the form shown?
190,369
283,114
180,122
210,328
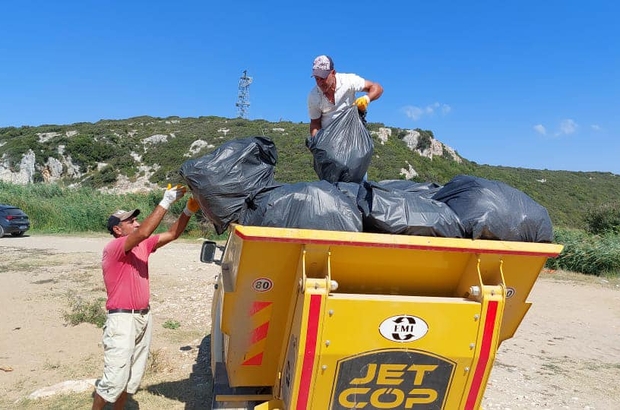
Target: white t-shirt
344,96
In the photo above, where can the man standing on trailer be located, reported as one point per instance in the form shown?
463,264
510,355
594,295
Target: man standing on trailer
334,92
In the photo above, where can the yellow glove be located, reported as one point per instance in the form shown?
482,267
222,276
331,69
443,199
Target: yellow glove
191,207
362,102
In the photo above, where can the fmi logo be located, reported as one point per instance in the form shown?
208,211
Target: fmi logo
403,328
392,379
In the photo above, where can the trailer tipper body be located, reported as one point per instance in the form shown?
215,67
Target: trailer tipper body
314,319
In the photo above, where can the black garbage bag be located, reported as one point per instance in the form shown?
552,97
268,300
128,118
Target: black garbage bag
304,205
350,189
342,151
256,204
493,210
395,211
425,189
222,179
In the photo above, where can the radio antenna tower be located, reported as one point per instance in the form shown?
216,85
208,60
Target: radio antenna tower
243,99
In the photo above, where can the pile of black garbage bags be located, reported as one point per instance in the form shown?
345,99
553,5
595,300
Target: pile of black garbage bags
235,184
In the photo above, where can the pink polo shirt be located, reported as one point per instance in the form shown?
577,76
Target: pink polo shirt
126,275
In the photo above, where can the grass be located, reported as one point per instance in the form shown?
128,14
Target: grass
53,209
158,362
59,402
171,324
597,255
84,311
26,260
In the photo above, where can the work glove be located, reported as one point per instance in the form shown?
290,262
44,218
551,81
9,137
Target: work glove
172,194
362,102
191,207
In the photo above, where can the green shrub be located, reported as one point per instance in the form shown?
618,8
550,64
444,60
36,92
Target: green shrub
81,311
171,324
604,219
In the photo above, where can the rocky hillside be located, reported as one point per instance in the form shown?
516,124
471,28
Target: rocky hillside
139,153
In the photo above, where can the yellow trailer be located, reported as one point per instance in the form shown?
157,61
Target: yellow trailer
308,319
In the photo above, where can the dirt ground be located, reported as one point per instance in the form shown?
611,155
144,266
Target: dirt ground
565,354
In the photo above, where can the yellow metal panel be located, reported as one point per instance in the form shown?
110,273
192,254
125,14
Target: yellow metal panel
255,315
271,405
431,370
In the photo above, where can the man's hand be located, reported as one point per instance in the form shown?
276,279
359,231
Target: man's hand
191,207
172,194
362,102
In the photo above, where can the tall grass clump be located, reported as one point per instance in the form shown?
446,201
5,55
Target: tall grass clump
597,255
56,209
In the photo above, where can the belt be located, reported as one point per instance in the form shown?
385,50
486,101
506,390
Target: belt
139,311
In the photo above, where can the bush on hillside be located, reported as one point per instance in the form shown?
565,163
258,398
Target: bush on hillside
604,219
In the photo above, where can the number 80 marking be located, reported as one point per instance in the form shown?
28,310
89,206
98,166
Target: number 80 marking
262,285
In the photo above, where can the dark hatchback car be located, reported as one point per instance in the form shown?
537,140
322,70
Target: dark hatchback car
13,221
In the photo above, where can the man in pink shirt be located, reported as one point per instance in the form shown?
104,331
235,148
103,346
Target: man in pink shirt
127,331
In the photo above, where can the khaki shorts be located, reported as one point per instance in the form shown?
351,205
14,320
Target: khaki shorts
126,342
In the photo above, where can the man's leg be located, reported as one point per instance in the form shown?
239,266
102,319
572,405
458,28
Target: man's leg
98,402
120,402
143,326
118,344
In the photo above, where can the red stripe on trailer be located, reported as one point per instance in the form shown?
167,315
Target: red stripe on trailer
307,367
254,360
485,353
258,306
259,333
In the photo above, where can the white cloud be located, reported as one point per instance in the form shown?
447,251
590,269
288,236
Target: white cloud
539,128
567,126
596,127
415,113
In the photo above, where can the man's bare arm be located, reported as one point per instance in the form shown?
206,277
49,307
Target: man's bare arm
315,126
174,231
374,90
147,227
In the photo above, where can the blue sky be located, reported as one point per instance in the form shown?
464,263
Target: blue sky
532,84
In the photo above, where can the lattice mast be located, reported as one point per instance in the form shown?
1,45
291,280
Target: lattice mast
243,99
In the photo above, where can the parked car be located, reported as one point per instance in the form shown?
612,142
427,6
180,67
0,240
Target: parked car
13,221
